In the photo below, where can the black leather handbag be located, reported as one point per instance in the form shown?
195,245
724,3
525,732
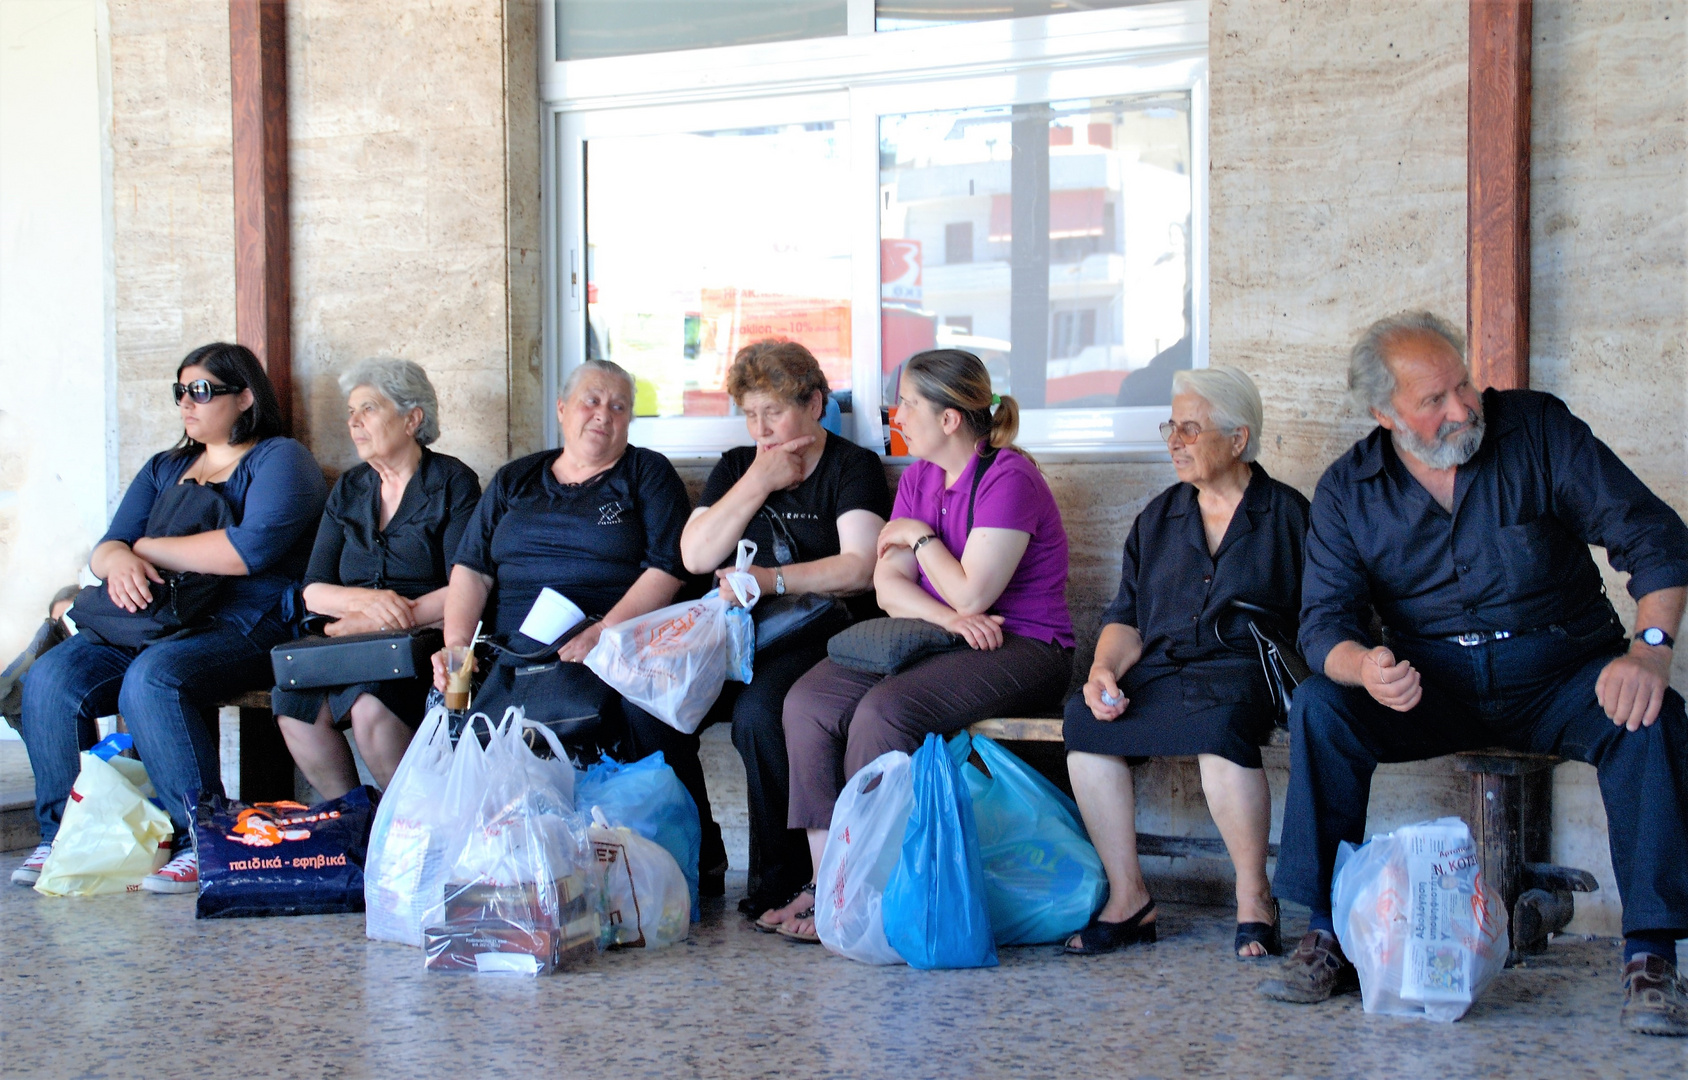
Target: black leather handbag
566,697
313,662
185,601
784,619
1280,661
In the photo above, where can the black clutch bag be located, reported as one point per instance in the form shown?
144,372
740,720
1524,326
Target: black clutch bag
314,662
887,646
781,619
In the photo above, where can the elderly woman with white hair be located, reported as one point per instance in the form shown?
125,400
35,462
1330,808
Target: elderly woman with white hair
381,562
1165,683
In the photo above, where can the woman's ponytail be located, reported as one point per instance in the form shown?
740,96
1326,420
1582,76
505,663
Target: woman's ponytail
956,379
1005,423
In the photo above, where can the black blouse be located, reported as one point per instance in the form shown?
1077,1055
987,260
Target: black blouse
412,555
1175,593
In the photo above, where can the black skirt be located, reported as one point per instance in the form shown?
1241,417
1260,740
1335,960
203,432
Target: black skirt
405,698
1213,707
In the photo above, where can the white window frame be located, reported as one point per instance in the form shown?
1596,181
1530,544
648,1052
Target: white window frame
858,78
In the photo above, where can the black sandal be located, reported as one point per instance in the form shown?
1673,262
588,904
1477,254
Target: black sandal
761,926
1104,937
1259,933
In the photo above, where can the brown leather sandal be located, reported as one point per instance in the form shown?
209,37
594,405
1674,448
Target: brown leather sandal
1315,971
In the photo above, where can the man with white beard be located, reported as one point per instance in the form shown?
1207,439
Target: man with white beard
1463,521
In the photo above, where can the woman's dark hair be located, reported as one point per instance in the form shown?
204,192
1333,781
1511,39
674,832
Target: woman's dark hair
956,379
234,365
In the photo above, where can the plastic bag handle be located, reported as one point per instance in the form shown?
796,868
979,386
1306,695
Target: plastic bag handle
549,735
741,581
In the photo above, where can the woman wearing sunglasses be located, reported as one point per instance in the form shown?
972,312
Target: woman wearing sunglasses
813,504
1164,683
231,450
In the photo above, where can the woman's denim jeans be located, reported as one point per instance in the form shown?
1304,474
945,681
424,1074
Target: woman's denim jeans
162,691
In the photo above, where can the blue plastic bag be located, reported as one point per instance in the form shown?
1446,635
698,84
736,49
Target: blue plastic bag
282,858
648,798
935,910
1043,879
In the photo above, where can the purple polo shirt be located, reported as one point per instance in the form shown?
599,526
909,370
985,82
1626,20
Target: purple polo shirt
1013,495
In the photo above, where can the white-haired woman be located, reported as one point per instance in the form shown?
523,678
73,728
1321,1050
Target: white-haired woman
381,562
1163,683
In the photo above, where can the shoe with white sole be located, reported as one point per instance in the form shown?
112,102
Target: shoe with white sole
179,875
30,872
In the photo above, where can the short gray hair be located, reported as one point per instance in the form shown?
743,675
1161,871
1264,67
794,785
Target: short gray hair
608,367
402,382
1232,401
1370,382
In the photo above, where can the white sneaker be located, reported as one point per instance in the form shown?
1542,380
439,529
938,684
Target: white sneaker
30,872
179,875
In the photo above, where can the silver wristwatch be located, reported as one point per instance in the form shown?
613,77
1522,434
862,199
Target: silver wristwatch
779,581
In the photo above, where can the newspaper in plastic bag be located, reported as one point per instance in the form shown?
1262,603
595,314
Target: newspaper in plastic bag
1418,921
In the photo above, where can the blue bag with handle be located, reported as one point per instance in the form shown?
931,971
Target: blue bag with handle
934,905
1043,879
648,798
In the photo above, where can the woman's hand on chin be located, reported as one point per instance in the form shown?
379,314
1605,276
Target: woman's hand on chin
982,632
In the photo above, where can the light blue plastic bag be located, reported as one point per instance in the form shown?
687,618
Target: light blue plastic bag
648,798
1043,879
935,910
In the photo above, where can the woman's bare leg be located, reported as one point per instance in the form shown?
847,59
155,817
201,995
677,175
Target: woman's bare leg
1241,804
1105,795
382,737
321,753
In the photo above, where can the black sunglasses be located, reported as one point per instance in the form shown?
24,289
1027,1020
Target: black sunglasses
785,547
203,390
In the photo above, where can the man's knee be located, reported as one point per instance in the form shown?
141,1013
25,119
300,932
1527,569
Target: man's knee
1319,706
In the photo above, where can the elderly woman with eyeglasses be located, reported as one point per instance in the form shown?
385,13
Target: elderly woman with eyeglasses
813,503
381,562
1163,682
231,452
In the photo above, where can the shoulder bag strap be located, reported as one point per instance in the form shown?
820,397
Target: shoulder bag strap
985,462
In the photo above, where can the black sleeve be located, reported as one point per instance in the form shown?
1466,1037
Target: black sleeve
664,508
729,470
1335,587
861,485
462,496
324,568
1124,608
474,550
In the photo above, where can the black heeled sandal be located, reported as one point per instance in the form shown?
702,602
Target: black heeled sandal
1259,933
1104,937
760,923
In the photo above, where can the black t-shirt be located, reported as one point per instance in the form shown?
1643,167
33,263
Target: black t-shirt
588,541
847,477
412,555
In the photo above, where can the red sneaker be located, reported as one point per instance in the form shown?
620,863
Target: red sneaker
179,875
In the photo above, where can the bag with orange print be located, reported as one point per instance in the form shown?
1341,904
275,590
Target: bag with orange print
1418,921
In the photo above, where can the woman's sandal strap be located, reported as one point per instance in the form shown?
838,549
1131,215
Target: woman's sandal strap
1104,937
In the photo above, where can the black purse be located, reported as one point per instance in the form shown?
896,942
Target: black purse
784,619
1280,661
566,697
313,662
185,601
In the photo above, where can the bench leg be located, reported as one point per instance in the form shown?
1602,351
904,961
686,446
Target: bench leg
253,756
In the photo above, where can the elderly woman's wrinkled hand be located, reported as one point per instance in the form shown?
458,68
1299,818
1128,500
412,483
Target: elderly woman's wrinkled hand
780,466
764,578
127,580
383,608
575,650
1103,695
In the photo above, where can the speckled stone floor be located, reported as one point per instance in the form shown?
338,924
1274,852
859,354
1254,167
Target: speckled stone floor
133,986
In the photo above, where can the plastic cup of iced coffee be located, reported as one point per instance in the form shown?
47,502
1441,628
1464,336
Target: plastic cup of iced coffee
459,670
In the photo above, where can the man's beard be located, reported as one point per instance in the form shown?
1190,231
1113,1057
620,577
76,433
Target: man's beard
1455,443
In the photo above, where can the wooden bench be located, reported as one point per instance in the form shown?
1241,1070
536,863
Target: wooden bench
252,756
1511,821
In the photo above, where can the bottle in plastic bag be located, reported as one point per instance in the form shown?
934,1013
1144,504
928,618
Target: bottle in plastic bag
862,849
1418,921
643,901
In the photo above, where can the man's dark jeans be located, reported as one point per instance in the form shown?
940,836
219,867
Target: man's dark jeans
1533,692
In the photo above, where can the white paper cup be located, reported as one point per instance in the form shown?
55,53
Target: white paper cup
551,616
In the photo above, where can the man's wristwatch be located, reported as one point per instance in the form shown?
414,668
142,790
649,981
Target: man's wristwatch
1653,635
914,549
779,581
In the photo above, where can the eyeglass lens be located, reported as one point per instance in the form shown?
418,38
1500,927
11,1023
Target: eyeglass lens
1189,431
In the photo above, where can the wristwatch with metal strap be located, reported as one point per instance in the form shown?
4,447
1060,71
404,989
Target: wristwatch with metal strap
779,581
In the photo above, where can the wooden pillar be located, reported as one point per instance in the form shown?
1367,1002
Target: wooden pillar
262,272
1498,194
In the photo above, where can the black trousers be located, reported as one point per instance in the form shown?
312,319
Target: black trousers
779,856
1532,693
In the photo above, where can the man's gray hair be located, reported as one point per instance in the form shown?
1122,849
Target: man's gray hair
402,382
1370,382
609,367
1232,401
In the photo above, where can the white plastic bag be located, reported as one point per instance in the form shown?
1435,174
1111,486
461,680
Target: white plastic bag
673,662
108,840
1418,921
861,852
644,899
406,861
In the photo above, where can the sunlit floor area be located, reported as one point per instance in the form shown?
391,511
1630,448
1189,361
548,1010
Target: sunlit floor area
133,985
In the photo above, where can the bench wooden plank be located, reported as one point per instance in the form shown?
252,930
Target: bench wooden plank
1020,729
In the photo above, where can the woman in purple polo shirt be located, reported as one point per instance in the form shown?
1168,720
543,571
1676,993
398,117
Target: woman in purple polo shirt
1001,585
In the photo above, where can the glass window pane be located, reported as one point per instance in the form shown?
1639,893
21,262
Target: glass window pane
591,28
698,244
915,14
1052,240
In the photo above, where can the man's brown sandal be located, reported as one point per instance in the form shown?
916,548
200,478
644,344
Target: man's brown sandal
1655,997
1316,970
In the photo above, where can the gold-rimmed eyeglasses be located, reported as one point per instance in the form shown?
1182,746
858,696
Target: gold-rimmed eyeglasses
1188,432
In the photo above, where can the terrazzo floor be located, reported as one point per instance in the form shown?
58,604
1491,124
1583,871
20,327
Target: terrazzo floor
133,986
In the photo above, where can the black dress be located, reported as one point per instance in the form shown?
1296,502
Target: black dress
1190,693
411,556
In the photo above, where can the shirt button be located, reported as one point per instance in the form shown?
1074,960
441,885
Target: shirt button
1462,568
1207,580
1195,618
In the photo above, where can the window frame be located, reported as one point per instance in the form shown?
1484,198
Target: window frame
855,80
